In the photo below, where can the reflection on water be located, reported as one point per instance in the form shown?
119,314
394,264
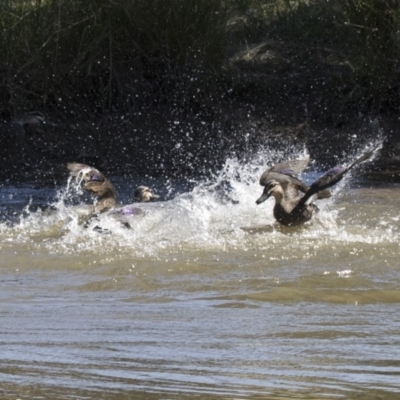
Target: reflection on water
204,295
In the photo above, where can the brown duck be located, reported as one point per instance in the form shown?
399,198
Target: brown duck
96,183
144,194
294,199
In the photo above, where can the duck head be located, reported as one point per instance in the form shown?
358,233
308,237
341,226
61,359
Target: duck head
144,194
272,188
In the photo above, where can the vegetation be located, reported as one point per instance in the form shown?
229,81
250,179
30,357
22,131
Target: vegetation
187,71
102,55
360,37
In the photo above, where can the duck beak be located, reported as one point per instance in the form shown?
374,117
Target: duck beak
154,196
264,196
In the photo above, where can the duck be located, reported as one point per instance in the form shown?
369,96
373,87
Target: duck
294,200
97,184
144,194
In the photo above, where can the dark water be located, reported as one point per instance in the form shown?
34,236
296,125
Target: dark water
204,297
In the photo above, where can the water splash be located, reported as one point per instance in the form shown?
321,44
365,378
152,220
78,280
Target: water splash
218,214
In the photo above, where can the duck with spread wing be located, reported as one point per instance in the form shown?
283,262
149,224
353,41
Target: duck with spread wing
294,200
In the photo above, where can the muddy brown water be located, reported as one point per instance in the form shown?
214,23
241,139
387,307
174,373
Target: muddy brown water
205,296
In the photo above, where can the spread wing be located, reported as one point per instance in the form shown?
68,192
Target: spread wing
83,171
95,181
286,174
334,176
291,168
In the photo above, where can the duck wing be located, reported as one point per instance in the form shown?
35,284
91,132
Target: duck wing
334,176
291,168
286,174
95,181
83,171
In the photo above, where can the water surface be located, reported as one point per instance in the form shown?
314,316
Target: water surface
205,295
